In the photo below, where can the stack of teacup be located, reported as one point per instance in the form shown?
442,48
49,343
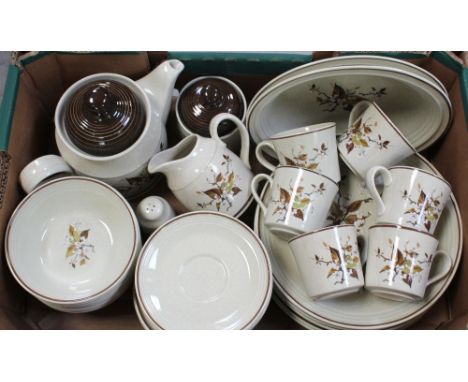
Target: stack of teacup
399,249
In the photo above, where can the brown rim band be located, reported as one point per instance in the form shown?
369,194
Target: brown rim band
332,227
82,299
306,169
423,171
224,216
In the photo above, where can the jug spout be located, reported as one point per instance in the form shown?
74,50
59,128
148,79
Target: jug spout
159,85
183,163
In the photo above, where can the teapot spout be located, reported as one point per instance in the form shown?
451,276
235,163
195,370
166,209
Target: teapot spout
159,85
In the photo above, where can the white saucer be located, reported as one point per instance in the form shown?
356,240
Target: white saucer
203,270
362,310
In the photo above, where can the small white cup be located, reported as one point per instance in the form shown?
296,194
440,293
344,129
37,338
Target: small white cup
399,262
372,139
329,261
300,200
42,169
411,197
312,147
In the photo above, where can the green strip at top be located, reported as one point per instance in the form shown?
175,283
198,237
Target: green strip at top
232,63
7,108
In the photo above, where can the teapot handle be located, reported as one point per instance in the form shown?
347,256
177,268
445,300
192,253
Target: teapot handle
245,140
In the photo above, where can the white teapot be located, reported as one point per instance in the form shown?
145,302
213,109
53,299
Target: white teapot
108,126
204,174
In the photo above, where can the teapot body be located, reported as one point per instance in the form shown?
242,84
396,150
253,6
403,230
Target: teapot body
126,170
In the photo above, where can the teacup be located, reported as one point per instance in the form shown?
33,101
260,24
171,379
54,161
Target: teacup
329,261
399,261
300,200
312,147
42,169
372,139
203,98
411,197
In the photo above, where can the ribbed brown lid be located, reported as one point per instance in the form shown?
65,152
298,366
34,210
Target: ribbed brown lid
104,118
206,98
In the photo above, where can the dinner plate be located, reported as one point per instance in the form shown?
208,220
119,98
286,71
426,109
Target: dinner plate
386,62
362,310
420,109
203,270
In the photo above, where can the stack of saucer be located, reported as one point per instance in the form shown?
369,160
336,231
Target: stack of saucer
202,270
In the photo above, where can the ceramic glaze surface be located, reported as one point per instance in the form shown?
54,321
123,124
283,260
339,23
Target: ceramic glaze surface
411,198
329,261
418,106
379,61
399,261
204,174
362,310
311,147
372,139
125,169
71,239
203,271
204,98
299,202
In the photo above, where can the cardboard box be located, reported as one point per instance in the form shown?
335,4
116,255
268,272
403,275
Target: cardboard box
37,80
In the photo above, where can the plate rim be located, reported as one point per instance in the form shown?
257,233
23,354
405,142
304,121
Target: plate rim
282,76
103,291
262,307
429,141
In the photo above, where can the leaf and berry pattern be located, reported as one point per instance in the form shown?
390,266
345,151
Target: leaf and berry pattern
345,99
425,210
78,250
302,159
361,136
223,187
299,204
404,264
342,263
347,211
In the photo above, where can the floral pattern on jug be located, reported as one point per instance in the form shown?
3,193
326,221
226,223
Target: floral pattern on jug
361,136
403,264
223,187
426,209
302,159
339,267
300,203
343,98
79,249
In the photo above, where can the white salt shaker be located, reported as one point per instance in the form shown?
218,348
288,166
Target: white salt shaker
152,212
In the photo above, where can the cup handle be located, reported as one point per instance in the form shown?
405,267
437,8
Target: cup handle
372,188
41,169
244,134
253,187
260,156
444,272
357,111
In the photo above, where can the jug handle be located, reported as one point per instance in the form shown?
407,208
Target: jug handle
245,140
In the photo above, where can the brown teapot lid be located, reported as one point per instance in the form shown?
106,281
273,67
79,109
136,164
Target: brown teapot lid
104,117
206,98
